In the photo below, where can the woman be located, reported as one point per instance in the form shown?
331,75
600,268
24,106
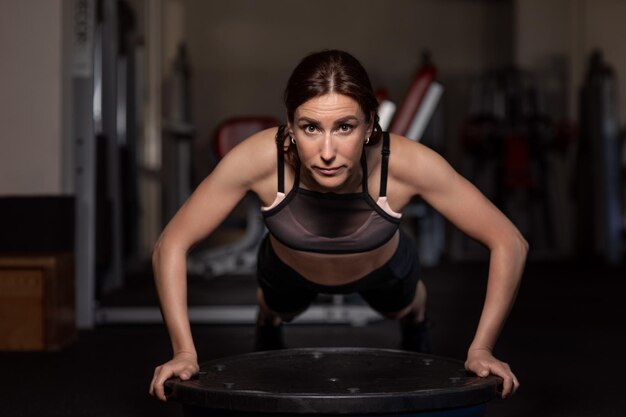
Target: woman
332,186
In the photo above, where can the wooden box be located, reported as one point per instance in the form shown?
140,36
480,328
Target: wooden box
36,301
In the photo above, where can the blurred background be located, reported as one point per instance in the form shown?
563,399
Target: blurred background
112,111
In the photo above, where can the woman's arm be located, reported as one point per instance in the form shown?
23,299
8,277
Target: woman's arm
246,168
424,172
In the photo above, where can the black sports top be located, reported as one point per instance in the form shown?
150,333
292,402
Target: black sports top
312,221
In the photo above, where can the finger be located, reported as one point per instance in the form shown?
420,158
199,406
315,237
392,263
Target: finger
158,384
153,381
154,377
479,369
160,391
507,387
509,381
188,372
513,386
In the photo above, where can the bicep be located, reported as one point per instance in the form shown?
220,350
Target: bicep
208,205
459,201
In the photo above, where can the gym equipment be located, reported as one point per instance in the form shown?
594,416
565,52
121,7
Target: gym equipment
419,103
105,138
178,137
332,382
36,301
600,222
37,297
419,118
508,138
386,110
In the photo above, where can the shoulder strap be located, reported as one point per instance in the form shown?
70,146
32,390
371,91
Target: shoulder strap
364,186
384,164
280,135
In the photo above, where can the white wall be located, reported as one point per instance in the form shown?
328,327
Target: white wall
31,150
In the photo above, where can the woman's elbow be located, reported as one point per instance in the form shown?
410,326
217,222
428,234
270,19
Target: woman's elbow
519,245
166,249
512,243
156,252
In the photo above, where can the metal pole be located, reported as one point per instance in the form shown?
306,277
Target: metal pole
85,158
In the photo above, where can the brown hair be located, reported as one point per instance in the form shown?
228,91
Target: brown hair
329,71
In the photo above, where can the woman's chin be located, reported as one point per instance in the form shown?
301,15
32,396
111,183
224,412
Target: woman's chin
331,183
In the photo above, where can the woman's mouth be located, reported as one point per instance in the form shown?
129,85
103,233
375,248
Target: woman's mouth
328,171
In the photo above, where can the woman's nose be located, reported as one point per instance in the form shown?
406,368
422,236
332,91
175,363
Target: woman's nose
328,151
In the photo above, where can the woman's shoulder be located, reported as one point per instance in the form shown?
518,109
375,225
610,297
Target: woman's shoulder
258,149
405,150
252,160
410,160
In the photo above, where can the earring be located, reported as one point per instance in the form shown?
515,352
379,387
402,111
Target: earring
367,140
292,140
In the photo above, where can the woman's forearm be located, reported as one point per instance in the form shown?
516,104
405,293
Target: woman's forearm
170,272
505,271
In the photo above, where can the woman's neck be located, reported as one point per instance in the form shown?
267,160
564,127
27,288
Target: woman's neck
353,184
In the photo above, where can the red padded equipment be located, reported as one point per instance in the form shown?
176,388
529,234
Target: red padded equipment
232,131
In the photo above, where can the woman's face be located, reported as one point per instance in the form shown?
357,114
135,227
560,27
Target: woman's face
329,132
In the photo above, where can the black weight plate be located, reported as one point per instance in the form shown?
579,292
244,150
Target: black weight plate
333,381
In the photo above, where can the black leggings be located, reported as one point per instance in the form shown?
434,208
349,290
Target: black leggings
387,289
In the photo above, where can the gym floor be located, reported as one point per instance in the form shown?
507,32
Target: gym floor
562,339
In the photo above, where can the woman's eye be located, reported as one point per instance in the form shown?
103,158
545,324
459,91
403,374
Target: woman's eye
345,128
309,129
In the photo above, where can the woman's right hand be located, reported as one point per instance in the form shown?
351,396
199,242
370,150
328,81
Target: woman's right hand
184,365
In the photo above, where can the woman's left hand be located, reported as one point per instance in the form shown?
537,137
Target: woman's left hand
483,364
